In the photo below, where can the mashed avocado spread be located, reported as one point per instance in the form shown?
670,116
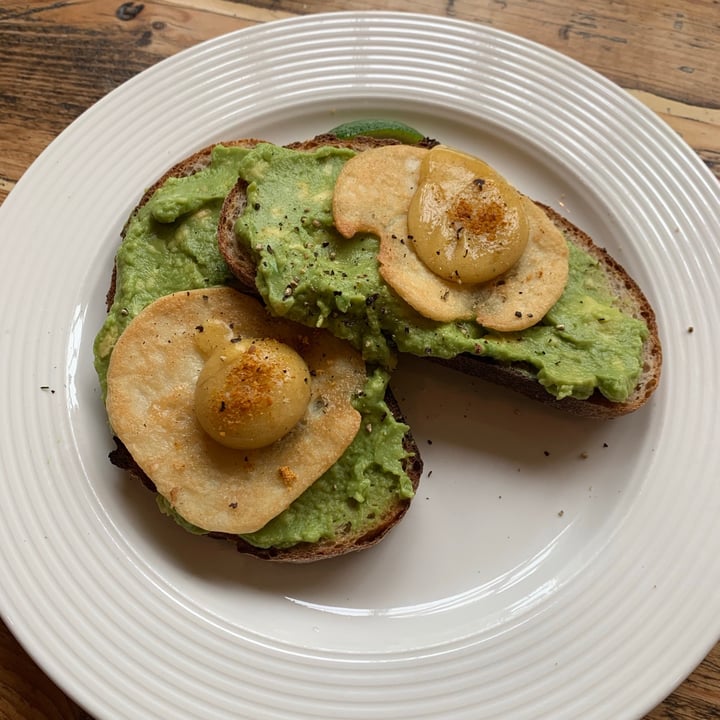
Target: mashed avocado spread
307,272
170,245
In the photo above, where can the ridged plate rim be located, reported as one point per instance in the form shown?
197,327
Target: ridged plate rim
612,642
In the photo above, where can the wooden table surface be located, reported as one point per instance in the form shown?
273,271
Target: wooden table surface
57,57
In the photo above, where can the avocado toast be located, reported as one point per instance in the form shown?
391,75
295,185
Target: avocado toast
595,353
169,246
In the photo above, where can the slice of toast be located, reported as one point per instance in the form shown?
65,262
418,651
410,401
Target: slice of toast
346,539
519,377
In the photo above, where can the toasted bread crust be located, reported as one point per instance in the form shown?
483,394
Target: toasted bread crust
241,264
522,379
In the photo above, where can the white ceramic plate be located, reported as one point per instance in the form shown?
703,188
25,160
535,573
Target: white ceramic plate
549,567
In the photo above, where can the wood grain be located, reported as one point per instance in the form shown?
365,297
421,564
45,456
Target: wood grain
25,691
58,58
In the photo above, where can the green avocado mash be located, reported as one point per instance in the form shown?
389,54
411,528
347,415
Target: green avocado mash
308,273
170,245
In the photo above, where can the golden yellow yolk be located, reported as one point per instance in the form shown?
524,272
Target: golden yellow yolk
467,223
251,393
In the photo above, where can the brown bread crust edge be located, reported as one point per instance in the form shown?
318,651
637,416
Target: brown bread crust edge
345,541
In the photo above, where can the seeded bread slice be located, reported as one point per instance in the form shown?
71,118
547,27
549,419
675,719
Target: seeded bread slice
346,540
521,378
